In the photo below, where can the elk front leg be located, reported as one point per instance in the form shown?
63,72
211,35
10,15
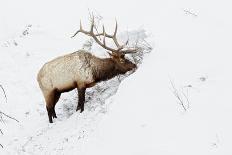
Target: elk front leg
81,99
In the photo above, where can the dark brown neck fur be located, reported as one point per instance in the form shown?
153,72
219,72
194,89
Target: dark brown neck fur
105,70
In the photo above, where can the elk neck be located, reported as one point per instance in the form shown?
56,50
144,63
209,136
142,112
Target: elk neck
104,70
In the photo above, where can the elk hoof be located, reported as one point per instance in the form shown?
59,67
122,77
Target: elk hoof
50,120
54,114
78,108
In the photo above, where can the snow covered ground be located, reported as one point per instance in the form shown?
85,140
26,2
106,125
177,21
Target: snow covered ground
143,115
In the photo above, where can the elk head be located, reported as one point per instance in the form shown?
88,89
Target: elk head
117,55
122,64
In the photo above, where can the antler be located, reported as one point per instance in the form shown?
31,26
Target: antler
120,48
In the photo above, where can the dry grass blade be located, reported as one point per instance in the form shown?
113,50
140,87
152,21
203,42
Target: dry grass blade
178,96
2,113
3,92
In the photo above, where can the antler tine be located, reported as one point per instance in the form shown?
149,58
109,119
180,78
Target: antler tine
114,36
104,35
129,51
80,25
81,30
91,33
92,25
116,28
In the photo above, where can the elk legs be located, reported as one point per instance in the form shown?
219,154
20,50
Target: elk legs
81,99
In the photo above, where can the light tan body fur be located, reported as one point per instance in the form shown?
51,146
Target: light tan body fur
67,72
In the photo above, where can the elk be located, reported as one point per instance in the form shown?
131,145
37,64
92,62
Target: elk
82,69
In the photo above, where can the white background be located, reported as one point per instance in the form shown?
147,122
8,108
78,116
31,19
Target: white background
191,39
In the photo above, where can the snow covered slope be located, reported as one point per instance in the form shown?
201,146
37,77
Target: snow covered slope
190,60
33,134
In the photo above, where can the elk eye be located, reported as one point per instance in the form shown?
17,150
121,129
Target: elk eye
122,56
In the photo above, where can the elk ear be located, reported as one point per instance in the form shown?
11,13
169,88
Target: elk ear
122,56
111,55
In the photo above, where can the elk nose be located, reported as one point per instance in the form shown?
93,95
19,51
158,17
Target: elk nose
135,66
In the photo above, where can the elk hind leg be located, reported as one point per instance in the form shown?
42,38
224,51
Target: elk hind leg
51,100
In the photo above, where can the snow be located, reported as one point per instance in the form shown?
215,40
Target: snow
191,49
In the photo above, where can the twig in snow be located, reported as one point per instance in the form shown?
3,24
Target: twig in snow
180,97
186,97
190,13
3,92
2,113
2,134
216,142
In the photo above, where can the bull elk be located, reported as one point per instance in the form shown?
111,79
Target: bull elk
82,70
